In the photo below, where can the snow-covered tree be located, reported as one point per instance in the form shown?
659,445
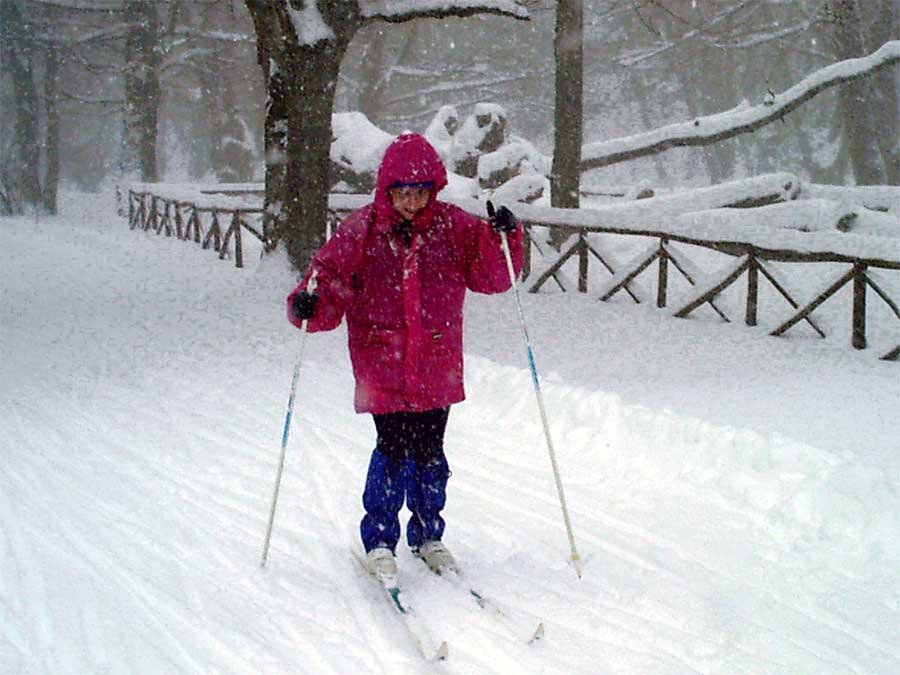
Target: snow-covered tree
300,45
744,118
214,106
143,91
859,115
885,28
30,59
127,64
569,109
719,52
167,46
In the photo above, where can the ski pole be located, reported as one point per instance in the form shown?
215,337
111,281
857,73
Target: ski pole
576,559
287,429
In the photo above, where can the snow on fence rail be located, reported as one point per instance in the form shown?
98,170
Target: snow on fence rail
191,214
805,232
196,213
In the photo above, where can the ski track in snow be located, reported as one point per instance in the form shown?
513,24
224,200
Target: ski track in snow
143,393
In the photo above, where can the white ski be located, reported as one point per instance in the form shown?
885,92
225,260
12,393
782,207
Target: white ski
416,628
455,578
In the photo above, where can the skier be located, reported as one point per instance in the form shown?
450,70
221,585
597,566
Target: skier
398,269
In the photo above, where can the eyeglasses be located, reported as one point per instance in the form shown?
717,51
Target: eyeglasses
417,194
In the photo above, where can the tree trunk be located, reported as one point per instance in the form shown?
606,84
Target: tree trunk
16,56
886,27
568,119
300,82
268,29
301,73
51,144
143,93
688,91
276,146
308,168
230,157
856,98
642,96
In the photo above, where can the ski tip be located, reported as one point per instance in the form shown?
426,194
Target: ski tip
538,634
442,652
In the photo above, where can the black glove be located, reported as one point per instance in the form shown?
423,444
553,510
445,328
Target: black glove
303,306
502,220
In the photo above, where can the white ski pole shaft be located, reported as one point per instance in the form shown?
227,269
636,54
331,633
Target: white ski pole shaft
576,559
286,432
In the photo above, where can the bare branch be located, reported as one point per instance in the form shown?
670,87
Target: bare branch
701,32
385,10
740,120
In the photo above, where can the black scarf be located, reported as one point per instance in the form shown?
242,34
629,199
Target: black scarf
404,230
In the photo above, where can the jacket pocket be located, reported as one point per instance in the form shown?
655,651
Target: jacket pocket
441,361
377,357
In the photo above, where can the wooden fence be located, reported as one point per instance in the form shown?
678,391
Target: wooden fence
197,220
750,260
200,221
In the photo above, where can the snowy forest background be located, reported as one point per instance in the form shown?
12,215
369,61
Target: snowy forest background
735,496
94,90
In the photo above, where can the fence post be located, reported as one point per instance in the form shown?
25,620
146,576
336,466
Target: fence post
167,218
195,214
859,305
143,211
179,222
752,288
582,264
238,252
153,218
662,282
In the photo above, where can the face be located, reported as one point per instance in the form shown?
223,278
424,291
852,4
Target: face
408,201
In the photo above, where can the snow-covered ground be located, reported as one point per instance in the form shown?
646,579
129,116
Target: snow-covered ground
736,497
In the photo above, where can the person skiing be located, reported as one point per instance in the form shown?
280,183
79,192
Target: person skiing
398,269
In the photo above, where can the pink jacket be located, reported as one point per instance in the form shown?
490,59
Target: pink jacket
404,306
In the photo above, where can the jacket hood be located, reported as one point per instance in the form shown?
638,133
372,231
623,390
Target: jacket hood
409,159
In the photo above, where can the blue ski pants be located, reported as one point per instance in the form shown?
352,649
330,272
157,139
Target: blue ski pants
408,464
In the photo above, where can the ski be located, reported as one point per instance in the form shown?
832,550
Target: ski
418,631
455,578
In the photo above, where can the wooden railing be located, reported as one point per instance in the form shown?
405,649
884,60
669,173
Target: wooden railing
200,219
195,218
749,260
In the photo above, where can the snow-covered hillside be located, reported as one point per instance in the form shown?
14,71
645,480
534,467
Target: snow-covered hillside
736,497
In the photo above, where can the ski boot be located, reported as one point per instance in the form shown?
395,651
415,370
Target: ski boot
381,564
437,557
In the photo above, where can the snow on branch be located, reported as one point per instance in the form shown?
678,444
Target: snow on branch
739,120
104,6
215,35
697,32
404,10
309,24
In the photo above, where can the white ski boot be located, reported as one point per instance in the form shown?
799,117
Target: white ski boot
437,557
381,564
